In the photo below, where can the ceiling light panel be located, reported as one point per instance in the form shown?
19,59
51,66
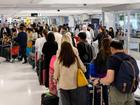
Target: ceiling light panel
17,1
87,1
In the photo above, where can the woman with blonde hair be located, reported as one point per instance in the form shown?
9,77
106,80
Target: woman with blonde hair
67,38
72,38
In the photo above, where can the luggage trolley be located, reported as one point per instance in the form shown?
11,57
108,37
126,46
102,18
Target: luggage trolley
9,51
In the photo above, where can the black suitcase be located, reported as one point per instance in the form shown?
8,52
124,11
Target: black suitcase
99,95
49,99
39,69
90,96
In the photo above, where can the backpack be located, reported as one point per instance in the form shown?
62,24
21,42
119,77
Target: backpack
89,52
128,75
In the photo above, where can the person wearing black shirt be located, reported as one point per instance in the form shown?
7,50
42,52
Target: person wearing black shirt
111,32
113,67
85,50
102,34
49,49
22,41
101,69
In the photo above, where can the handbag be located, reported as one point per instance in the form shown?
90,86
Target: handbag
81,79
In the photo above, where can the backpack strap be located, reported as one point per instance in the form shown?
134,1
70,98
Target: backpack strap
134,79
118,58
125,59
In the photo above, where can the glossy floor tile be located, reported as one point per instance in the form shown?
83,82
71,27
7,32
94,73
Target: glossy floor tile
19,85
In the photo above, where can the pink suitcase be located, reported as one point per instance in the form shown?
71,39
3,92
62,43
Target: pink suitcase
52,82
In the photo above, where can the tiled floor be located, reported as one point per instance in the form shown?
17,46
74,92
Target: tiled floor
19,85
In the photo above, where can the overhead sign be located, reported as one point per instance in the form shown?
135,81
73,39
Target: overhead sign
28,20
34,14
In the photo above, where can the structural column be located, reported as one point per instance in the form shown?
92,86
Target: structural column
128,32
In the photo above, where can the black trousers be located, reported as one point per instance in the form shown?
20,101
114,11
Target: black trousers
68,97
23,53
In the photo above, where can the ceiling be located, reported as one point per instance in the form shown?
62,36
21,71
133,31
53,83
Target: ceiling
50,7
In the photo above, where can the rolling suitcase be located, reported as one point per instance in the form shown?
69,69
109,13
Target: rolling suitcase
14,51
41,72
52,82
98,99
49,99
90,96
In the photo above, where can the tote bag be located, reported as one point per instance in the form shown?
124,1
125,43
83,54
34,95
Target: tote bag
81,79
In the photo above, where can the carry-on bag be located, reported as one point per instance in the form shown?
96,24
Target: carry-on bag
40,71
14,51
90,94
49,99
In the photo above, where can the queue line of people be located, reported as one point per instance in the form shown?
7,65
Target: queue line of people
71,54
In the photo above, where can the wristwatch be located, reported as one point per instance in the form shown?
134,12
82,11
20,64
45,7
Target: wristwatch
99,81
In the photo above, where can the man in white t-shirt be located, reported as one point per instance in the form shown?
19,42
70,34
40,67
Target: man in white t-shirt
40,42
91,31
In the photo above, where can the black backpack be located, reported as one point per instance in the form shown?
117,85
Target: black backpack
128,75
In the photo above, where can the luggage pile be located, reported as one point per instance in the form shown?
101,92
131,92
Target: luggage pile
9,49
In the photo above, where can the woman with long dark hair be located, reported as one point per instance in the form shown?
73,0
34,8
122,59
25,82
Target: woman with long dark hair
101,35
111,32
49,49
101,69
66,66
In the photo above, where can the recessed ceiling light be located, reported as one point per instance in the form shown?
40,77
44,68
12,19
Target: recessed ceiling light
84,4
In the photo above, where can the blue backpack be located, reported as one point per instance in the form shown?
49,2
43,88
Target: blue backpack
128,75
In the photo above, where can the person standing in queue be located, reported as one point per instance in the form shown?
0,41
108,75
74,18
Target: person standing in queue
49,49
22,41
120,76
101,35
111,32
100,64
65,67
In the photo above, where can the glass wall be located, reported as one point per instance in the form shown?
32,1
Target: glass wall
135,24
127,27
